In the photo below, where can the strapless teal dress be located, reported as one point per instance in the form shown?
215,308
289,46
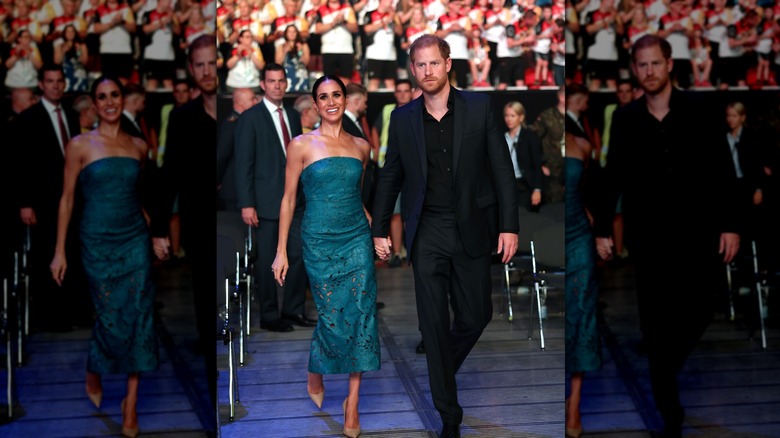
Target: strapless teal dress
116,250
583,347
338,253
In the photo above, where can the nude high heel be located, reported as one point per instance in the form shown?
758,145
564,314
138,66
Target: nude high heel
318,397
129,432
96,398
351,433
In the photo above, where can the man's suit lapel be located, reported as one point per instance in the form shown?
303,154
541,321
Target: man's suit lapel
53,140
266,120
460,126
418,134
295,122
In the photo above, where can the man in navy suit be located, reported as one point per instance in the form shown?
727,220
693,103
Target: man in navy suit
446,156
40,140
261,157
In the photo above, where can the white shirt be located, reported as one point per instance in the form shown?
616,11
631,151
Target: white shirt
50,109
512,143
734,154
275,117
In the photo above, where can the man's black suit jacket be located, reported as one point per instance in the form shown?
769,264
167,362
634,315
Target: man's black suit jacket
226,163
483,177
41,163
129,127
676,179
261,161
529,157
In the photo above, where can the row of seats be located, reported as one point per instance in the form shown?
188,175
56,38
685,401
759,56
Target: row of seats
540,253
234,264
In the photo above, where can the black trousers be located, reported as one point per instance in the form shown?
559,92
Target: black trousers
445,275
673,316
266,288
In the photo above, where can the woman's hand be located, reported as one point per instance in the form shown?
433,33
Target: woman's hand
58,267
280,267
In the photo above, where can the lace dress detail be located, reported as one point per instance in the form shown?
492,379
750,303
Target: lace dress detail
583,349
339,259
116,251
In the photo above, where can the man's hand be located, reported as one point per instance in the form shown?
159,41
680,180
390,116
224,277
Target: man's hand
249,215
161,247
507,244
27,214
604,247
382,247
729,245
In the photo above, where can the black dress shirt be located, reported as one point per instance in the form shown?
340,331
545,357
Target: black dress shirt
438,146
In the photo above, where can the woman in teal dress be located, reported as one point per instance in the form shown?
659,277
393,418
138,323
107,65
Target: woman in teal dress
583,350
107,164
337,248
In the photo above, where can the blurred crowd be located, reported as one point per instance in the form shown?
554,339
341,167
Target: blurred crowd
715,43
501,43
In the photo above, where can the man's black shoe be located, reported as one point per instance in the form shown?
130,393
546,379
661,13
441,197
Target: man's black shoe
277,325
420,348
450,431
380,305
300,320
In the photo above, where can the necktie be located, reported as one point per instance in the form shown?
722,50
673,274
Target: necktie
285,131
63,130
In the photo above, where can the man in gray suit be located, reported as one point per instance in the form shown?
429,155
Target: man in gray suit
262,134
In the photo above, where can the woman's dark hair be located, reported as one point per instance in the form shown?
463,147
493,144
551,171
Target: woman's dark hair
76,37
104,78
322,79
298,33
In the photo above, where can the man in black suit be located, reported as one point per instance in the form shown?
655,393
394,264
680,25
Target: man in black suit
11,235
262,134
576,104
186,171
679,209
135,101
41,135
243,99
446,156
357,104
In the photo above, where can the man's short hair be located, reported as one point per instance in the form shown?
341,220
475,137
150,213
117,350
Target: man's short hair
302,103
184,81
353,88
429,40
574,89
132,88
403,81
650,41
82,102
49,66
271,67
207,40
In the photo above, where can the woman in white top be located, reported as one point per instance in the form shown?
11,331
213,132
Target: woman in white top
245,63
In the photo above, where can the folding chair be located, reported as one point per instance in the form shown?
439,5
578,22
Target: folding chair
521,262
6,332
744,279
229,223
225,266
548,254
237,292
